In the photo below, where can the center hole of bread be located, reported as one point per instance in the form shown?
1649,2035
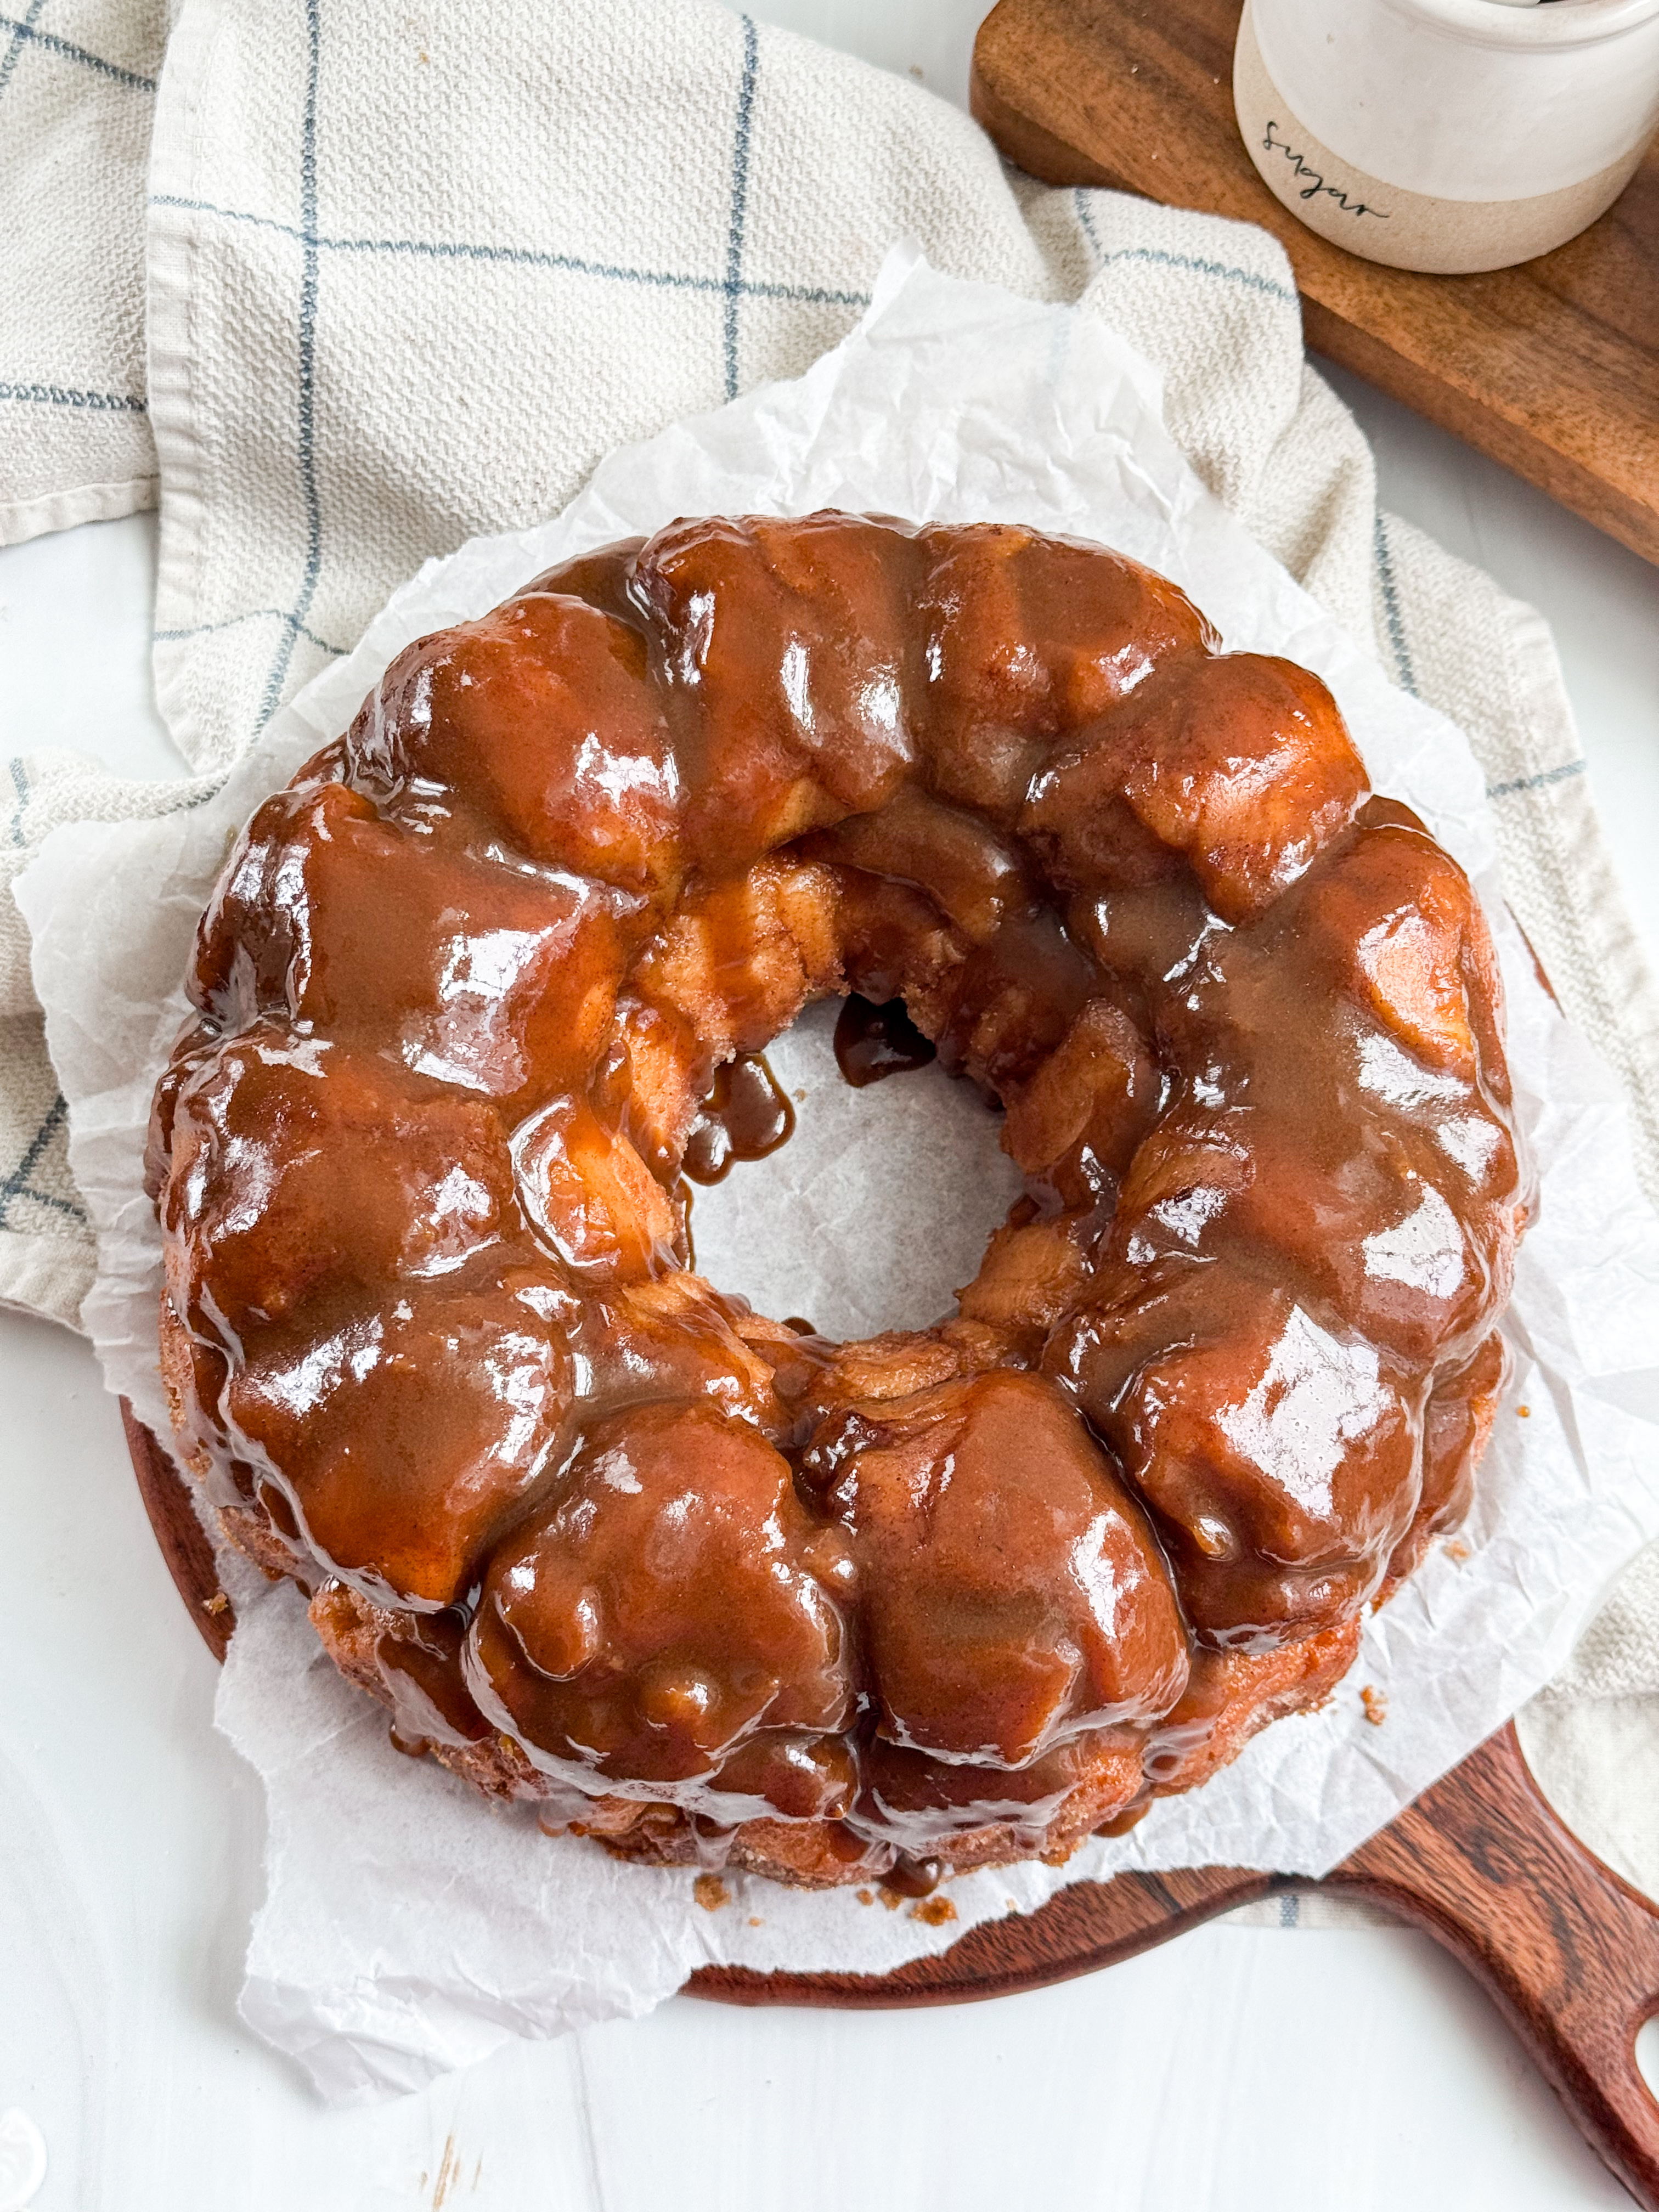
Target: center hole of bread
876,1211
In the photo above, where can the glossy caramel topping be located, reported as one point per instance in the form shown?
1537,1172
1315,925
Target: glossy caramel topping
1013,1593
745,1116
874,1042
674,1600
479,989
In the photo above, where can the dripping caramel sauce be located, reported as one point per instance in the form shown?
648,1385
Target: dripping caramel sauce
745,1116
873,1042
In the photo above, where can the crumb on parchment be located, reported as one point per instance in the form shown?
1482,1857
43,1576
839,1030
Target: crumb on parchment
710,1892
934,1911
1376,1705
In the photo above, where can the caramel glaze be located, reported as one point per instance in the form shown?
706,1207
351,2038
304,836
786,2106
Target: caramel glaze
694,1581
873,1042
745,1116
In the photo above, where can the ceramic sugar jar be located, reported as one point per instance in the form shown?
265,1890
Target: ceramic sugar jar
1447,135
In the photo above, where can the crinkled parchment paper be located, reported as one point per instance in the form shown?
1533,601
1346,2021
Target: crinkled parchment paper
409,1928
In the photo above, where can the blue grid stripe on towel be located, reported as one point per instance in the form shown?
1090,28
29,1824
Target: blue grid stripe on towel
251,614
1390,589
20,30
1539,782
308,396
1196,264
1158,257
16,1185
24,32
60,395
1080,202
198,797
529,256
739,201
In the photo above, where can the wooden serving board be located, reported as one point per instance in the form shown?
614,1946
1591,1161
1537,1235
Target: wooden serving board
1570,1952
1552,367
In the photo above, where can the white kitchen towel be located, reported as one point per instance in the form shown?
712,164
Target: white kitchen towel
411,272
1592,1738
77,104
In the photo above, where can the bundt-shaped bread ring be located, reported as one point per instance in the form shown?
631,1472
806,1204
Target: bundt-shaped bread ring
603,1538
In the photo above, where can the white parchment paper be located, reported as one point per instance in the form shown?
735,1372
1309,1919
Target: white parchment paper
408,1927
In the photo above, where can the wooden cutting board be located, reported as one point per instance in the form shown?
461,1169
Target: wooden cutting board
1568,1951
1552,367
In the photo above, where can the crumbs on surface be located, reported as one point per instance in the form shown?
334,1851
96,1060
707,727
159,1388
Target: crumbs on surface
449,2172
890,1898
711,1893
1525,1412
1376,1705
1458,1551
755,1920
934,1910
866,1897
217,1603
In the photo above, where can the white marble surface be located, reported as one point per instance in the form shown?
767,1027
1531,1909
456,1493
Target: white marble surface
1239,2067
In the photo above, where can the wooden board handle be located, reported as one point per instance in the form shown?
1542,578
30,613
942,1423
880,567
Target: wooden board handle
183,1540
1568,1950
